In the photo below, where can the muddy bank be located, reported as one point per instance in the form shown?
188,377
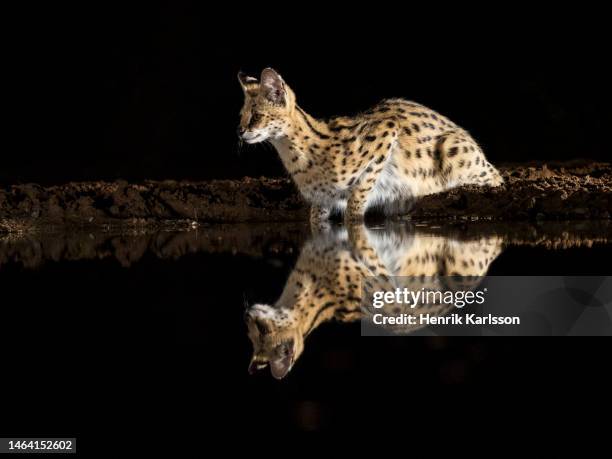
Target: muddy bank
269,241
569,190
554,190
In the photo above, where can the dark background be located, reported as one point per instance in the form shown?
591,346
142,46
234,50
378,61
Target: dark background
136,93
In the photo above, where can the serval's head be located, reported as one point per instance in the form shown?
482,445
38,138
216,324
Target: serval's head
277,339
268,106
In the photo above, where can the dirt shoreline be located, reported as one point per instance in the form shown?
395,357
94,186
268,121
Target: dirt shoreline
579,189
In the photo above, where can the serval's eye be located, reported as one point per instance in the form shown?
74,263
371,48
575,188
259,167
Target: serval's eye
262,328
255,117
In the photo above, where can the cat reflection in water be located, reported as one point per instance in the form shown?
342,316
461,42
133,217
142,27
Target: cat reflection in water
326,283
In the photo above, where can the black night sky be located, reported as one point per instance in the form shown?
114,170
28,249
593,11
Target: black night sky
152,93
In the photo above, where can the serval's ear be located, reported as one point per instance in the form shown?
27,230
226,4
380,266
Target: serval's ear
246,81
280,367
273,87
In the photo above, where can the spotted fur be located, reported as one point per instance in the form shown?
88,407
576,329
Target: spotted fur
394,152
328,277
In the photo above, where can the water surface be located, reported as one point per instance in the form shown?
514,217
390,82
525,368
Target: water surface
118,317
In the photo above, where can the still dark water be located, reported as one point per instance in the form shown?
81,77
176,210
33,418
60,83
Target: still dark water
128,329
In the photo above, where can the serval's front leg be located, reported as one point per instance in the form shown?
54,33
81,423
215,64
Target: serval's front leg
375,276
364,251
319,218
380,151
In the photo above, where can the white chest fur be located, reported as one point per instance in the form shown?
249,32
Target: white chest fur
293,159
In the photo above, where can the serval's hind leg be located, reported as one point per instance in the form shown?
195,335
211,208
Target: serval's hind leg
462,161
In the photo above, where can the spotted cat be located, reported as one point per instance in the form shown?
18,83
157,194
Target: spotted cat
326,283
386,156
